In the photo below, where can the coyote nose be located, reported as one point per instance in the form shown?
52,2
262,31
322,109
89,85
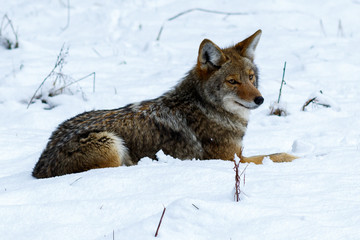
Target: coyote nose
259,100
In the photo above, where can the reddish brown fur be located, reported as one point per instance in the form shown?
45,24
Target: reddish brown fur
247,90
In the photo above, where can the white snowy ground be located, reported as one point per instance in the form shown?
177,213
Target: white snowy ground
314,197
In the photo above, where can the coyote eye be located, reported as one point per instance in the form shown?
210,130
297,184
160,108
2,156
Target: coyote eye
251,76
232,81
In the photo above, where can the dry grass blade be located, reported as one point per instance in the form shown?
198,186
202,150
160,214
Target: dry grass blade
78,80
58,64
162,216
199,10
7,42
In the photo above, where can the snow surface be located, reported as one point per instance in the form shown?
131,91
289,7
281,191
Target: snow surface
314,197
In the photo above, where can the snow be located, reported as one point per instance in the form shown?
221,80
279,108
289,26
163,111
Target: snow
315,197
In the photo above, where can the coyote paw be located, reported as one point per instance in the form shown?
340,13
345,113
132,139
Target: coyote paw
282,157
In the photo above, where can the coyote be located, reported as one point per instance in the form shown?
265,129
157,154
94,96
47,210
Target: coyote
204,116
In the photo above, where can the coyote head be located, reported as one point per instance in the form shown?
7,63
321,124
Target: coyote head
229,77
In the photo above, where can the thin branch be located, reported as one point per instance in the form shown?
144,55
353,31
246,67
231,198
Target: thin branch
238,177
243,171
282,82
160,31
162,215
322,27
207,11
195,206
314,101
68,16
199,10
324,105
307,103
94,83
78,80
97,53
275,108
340,32
75,181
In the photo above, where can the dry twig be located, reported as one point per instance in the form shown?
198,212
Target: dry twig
195,206
75,181
238,177
199,10
340,32
68,16
315,100
162,215
78,80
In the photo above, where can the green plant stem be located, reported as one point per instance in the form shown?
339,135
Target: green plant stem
282,82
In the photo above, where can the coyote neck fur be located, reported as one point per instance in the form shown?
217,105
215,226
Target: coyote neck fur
190,90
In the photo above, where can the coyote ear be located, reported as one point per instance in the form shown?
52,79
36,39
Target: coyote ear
210,56
247,47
